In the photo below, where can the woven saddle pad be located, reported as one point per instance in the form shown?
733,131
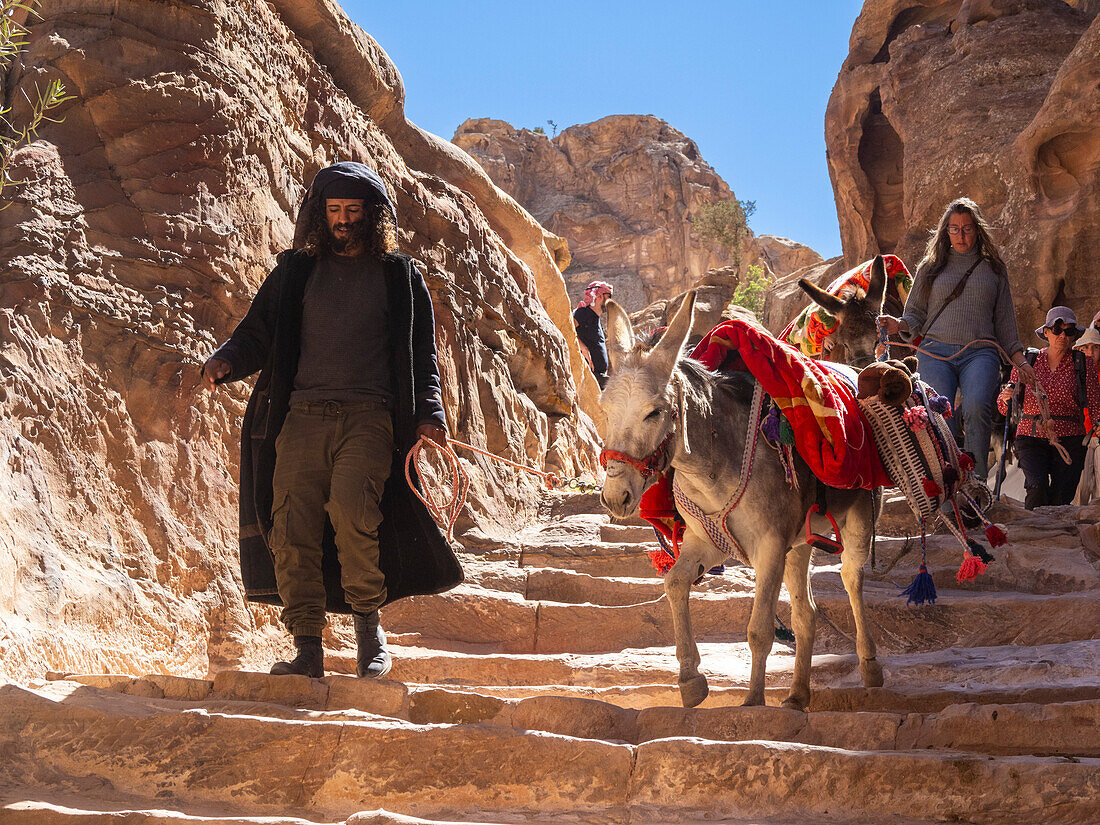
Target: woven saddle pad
911,456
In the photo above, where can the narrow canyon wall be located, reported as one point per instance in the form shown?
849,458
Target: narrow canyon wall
147,220
998,100
623,191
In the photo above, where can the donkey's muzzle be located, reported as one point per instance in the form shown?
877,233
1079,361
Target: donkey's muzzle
619,502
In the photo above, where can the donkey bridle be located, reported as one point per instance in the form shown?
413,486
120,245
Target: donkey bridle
648,466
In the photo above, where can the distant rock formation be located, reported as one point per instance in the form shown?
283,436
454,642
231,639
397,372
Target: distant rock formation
622,191
999,101
148,220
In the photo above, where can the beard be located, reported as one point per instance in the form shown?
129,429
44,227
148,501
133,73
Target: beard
352,235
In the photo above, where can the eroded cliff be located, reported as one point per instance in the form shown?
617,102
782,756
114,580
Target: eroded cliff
999,101
623,191
147,221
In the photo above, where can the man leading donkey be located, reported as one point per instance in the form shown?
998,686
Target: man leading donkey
342,333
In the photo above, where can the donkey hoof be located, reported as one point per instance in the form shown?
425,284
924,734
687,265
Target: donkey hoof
872,672
793,702
694,691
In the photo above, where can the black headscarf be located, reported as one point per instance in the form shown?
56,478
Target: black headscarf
346,179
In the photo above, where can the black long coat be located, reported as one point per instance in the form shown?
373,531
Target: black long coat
414,554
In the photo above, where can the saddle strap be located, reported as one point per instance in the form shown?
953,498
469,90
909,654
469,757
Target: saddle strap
716,524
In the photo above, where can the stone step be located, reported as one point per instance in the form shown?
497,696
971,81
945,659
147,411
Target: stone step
1053,564
609,559
73,810
70,810
496,622
1067,728
569,586
1060,565
645,678
635,533
180,757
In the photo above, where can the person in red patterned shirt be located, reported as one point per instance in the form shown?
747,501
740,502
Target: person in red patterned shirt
1047,478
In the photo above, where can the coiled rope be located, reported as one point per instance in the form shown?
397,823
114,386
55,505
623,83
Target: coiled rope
447,511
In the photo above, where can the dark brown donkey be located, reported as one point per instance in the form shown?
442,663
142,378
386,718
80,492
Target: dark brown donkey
854,339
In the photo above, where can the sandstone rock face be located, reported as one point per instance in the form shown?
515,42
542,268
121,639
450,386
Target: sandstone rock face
785,299
999,101
622,191
779,257
149,218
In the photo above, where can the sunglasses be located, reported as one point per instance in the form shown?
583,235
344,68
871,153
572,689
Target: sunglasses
1058,328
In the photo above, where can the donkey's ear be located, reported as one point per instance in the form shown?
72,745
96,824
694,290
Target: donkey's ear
668,349
876,289
820,297
620,334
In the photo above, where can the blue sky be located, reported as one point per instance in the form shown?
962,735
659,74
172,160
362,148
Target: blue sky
747,81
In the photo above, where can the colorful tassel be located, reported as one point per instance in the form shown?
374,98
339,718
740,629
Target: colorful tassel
940,404
966,462
995,535
786,432
661,560
971,568
922,590
950,476
931,488
770,426
916,418
979,551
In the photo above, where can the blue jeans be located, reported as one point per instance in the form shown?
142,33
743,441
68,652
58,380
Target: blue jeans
977,373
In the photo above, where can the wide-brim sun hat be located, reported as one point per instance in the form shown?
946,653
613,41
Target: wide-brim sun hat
1091,336
1063,314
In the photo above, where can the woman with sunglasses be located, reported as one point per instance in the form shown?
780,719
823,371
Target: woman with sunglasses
1047,477
960,310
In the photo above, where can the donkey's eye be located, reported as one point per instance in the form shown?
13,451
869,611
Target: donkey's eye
653,415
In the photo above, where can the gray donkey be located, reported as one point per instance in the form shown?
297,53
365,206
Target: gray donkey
853,341
668,411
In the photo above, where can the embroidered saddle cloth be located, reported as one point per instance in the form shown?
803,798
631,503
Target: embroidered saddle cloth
831,433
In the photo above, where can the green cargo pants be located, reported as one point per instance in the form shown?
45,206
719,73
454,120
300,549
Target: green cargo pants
330,458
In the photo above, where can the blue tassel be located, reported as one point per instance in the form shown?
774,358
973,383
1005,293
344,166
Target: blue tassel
922,590
717,570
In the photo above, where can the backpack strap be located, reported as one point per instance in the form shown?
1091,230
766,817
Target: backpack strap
1081,368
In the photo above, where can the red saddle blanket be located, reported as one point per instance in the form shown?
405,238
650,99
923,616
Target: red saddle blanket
831,433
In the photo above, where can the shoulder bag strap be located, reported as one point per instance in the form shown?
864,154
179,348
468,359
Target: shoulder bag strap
955,293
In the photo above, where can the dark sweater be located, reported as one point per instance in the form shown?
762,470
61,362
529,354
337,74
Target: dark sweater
590,333
345,347
983,310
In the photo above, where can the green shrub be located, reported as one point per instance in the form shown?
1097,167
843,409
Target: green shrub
725,223
13,39
751,290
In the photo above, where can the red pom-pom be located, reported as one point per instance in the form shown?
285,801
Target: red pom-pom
662,562
966,462
995,535
971,568
931,488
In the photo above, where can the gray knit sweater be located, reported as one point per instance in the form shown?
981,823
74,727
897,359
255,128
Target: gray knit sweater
983,310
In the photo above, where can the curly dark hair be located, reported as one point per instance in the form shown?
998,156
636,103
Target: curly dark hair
377,232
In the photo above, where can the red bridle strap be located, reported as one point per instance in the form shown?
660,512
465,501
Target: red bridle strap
647,466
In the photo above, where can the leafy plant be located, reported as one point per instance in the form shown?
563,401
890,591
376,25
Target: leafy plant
751,290
553,126
725,223
13,39
538,130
